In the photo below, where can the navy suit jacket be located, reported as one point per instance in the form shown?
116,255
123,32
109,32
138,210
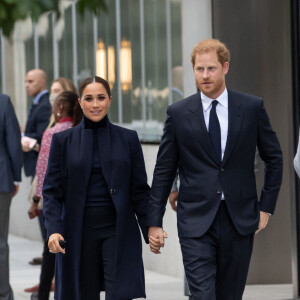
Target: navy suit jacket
64,192
186,143
38,120
11,157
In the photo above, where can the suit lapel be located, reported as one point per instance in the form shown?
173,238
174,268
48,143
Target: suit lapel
198,125
235,118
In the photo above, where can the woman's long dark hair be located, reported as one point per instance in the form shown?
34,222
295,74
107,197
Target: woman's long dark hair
69,100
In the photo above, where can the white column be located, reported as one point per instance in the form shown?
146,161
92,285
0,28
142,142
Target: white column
196,26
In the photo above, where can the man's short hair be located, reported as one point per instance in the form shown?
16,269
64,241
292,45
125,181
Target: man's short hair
211,45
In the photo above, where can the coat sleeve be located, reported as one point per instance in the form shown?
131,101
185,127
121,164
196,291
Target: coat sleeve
53,190
13,141
139,188
270,152
164,173
42,162
297,159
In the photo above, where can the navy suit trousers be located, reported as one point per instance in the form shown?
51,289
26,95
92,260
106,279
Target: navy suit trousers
217,263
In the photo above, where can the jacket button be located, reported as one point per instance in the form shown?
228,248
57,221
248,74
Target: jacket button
112,191
219,191
221,169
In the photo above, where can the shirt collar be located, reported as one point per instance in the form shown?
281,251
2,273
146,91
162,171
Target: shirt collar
222,99
38,96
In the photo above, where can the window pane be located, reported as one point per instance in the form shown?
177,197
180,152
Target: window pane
85,45
106,59
177,69
64,38
29,53
46,46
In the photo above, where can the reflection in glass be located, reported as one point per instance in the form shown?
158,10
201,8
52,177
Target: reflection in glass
111,66
64,39
126,65
46,46
101,60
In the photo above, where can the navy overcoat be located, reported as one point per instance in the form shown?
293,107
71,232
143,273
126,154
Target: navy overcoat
64,193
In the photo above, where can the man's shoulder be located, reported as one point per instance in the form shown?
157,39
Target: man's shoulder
44,100
244,97
5,104
4,98
184,103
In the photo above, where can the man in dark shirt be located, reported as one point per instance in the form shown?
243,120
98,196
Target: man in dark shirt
38,117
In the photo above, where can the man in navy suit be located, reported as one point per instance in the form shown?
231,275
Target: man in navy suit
212,136
38,117
38,120
10,176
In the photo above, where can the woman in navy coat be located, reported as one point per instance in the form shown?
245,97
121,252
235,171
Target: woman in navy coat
95,195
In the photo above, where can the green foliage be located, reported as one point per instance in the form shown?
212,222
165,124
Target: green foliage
12,11
92,5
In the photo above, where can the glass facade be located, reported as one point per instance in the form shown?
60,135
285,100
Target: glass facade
136,46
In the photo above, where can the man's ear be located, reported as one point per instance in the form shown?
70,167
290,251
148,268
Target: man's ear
226,67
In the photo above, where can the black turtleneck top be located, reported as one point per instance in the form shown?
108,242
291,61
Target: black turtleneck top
97,193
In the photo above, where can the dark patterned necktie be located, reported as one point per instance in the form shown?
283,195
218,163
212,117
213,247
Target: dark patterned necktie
214,129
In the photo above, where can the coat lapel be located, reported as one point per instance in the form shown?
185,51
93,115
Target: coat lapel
86,152
198,125
235,118
105,149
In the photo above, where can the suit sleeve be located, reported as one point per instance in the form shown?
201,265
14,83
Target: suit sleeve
52,190
13,141
139,187
270,152
164,173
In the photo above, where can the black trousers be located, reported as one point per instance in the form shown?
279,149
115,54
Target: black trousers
98,256
216,264
47,273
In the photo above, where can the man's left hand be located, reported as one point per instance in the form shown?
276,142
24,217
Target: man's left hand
263,221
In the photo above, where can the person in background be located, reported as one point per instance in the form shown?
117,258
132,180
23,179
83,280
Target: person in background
37,122
58,86
38,117
11,157
95,195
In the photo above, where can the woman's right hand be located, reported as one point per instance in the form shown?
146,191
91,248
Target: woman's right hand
53,243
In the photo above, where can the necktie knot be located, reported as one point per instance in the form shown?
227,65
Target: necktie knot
214,104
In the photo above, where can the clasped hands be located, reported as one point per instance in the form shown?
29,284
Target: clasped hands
156,237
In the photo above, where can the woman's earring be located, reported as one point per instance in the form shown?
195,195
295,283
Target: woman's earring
58,114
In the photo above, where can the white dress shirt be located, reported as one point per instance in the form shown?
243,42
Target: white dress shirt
222,113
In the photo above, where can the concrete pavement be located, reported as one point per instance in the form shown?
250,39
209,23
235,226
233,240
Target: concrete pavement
158,286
